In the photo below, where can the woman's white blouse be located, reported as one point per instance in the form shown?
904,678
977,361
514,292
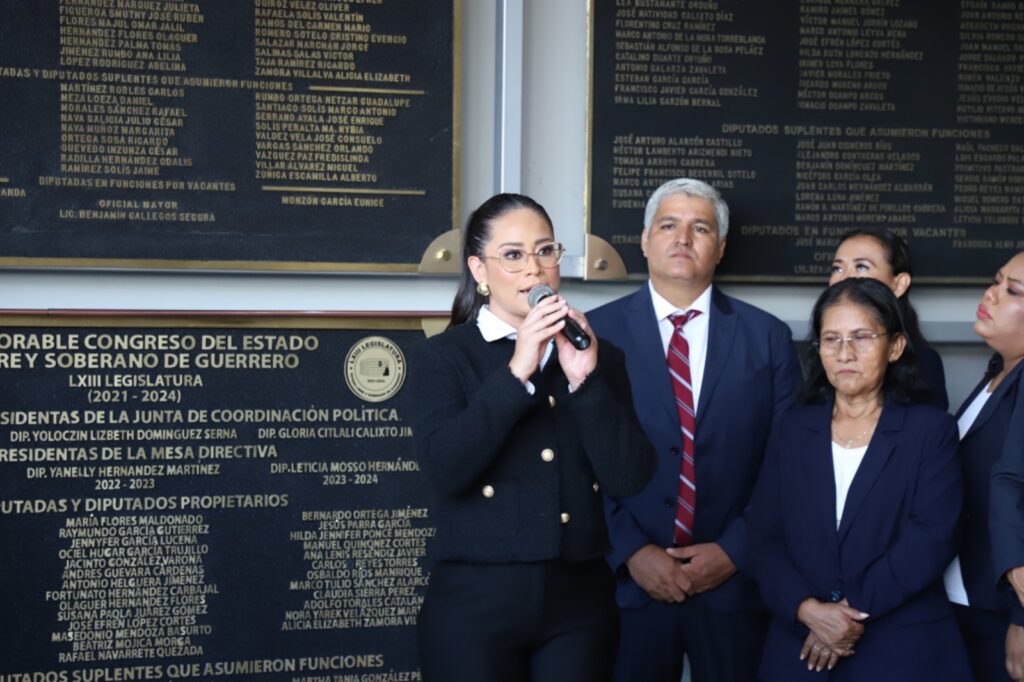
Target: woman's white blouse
954,577
845,462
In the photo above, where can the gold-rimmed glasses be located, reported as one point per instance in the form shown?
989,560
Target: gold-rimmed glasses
860,342
514,259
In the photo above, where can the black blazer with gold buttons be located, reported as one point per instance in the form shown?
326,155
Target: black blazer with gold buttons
519,477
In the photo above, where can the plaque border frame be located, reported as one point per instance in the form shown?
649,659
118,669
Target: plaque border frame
272,266
588,170
233,319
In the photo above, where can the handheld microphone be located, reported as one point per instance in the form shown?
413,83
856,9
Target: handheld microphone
579,339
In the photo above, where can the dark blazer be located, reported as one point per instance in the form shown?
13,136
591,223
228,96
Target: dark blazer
519,476
933,376
888,555
750,377
993,454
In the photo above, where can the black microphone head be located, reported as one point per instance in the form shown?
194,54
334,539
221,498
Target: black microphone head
538,294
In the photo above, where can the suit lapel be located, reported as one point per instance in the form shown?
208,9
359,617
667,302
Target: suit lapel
879,451
974,394
993,400
647,337
818,465
721,334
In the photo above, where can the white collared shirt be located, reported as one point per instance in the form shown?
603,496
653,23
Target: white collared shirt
493,328
696,332
954,577
845,462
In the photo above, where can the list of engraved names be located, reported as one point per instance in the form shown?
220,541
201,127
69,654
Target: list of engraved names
180,127
165,483
815,117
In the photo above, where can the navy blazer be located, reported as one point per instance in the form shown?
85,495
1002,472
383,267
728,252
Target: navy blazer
887,557
933,376
751,376
993,455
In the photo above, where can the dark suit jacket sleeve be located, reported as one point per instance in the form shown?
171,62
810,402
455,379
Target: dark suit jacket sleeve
1006,506
458,435
637,450
628,536
930,369
615,444
924,546
782,584
786,379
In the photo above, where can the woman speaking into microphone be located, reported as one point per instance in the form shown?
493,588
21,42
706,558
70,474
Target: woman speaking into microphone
520,433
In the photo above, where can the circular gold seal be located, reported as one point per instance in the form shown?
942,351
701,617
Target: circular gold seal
374,369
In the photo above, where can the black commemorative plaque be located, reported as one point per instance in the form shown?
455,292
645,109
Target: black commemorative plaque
814,117
256,134
235,500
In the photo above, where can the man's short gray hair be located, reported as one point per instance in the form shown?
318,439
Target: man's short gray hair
691,188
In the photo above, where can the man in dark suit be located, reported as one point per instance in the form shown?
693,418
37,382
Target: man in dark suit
678,590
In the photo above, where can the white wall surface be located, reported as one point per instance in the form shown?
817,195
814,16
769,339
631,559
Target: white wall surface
554,92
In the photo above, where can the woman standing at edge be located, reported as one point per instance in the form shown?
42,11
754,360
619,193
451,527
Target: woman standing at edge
880,254
856,508
520,434
992,449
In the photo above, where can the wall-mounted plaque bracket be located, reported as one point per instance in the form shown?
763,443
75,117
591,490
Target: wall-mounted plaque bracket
444,255
432,326
602,260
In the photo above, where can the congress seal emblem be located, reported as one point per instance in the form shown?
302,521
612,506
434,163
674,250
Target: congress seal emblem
374,369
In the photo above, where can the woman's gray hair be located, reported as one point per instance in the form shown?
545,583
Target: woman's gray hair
691,188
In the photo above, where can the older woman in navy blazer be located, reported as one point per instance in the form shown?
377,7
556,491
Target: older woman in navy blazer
881,254
855,512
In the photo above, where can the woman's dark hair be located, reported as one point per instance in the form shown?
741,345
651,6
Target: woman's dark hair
474,238
901,381
897,254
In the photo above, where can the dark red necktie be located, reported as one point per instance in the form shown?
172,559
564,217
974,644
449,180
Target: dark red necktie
679,370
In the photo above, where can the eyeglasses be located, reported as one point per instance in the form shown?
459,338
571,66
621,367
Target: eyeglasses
861,342
513,259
